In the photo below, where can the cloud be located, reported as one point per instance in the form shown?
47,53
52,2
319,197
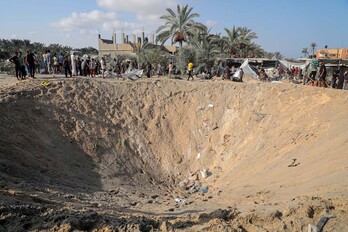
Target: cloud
129,16
139,7
210,23
84,20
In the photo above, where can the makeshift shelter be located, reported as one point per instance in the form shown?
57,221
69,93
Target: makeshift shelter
285,64
248,70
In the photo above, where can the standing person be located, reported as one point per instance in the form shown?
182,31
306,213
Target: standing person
92,65
345,84
60,62
170,70
159,69
227,75
84,67
49,62
335,78
55,64
73,64
30,61
340,79
44,58
15,61
313,70
322,75
103,66
22,72
79,66
148,70
66,66
190,69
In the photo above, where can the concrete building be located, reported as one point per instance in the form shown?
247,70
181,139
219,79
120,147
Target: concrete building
113,47
336,53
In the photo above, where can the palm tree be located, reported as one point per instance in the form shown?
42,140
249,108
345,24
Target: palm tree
178,26
244,39
255,50
313,46
206,47
17,44
55,48
231,40
39,47
140,50
305,52
27,45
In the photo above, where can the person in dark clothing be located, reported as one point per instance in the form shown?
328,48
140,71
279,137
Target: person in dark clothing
322,75
22,72
15,61
30,61
66,66
335,78
340,79
149,69
79,66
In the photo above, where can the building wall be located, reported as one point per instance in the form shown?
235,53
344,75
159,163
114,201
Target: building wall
112,48
341,53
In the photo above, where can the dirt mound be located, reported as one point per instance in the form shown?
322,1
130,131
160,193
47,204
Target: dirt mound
82,154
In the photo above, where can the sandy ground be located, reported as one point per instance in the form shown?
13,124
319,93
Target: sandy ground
113,155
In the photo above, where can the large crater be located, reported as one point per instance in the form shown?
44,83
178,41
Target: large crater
92,155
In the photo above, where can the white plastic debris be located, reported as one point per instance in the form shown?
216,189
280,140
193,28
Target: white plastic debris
198,156
180,200
210,105
204,173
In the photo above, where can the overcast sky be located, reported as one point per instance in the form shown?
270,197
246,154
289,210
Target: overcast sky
284,26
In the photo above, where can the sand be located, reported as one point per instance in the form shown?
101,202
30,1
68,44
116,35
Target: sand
109,155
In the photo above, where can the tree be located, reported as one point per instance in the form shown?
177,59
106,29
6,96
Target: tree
140,50
305,52
17,45
255,50
313,46
38,47
244,39
278,55
27,45
238,41
179,26
231,41
206,47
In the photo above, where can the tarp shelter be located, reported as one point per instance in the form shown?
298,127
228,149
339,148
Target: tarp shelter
285,64
248,70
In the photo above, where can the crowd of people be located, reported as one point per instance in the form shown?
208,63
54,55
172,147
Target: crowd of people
69,65
73,65
315,74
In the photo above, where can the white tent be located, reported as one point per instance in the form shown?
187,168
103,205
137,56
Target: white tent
247,70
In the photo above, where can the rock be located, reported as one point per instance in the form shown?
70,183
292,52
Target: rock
275,214
133,203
